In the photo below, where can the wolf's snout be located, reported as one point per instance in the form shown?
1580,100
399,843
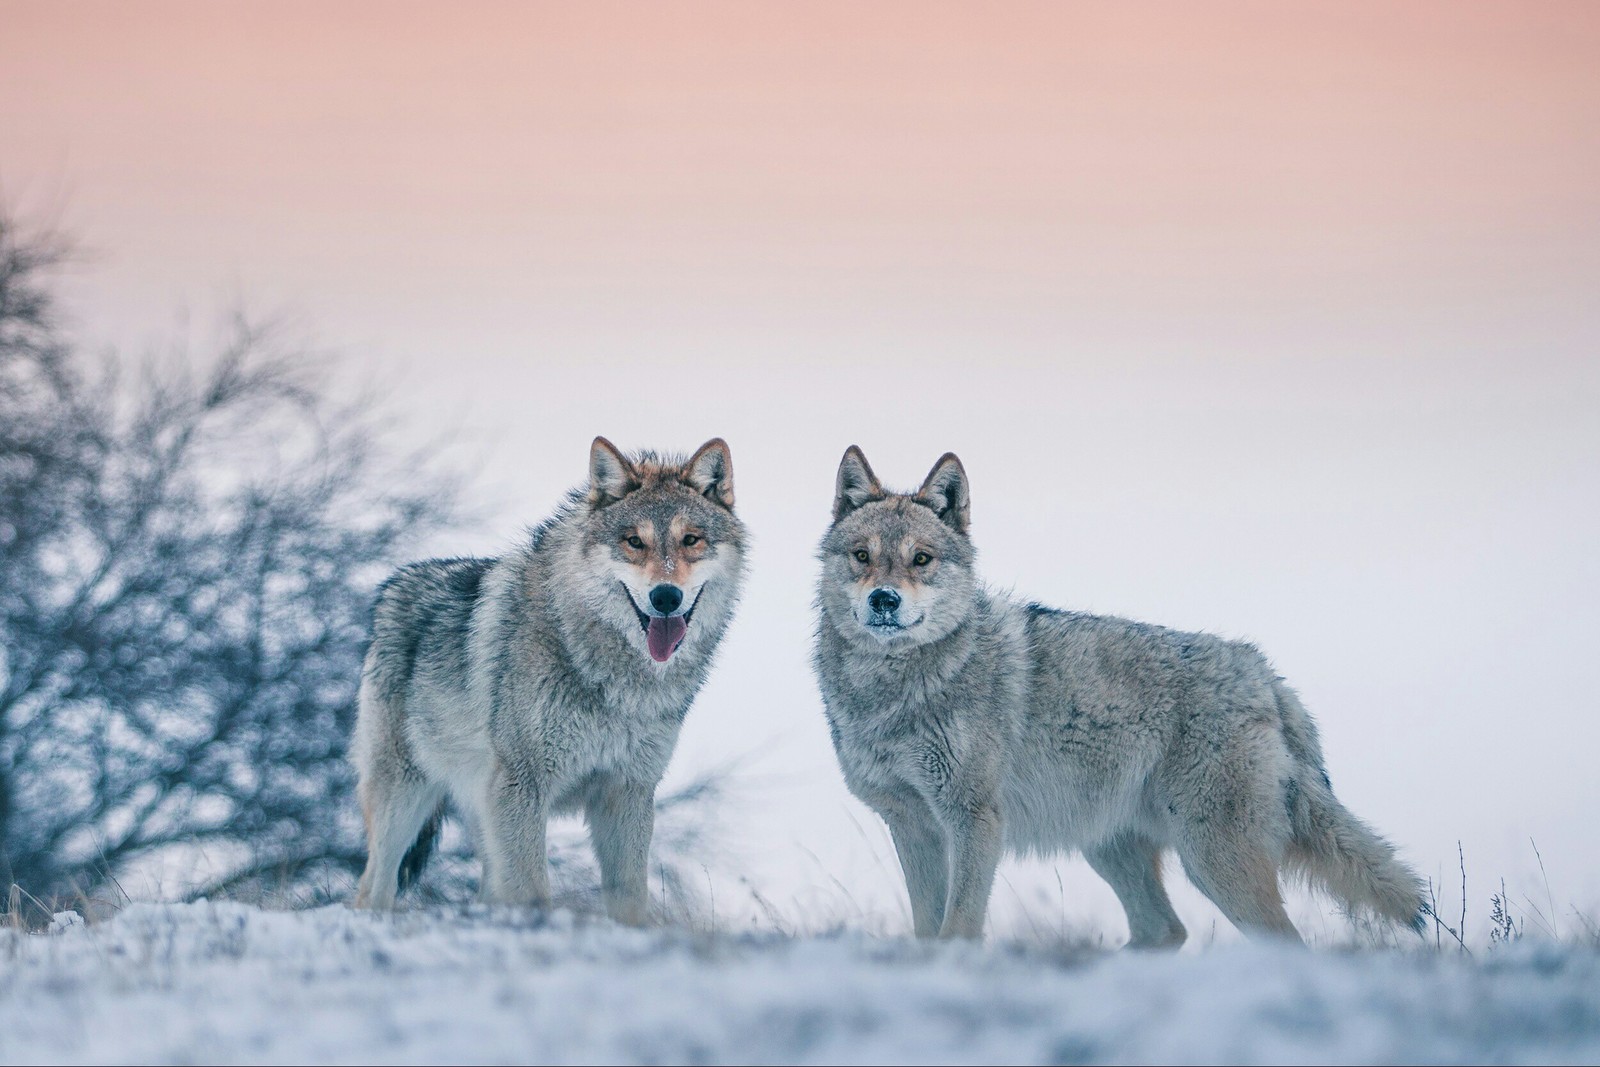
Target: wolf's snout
666,598
883,601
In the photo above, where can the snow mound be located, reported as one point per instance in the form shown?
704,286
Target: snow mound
230,983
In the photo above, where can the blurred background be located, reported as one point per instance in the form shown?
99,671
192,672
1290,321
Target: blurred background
1276,321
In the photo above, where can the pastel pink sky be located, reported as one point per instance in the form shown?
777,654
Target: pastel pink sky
881,154
1280,320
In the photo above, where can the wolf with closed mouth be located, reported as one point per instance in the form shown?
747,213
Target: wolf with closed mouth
974,725
552,679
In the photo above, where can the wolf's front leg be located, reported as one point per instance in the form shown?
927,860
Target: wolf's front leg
514,865
621,816
975,842
920,844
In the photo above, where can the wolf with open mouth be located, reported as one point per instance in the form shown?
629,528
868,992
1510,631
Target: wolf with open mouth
552,679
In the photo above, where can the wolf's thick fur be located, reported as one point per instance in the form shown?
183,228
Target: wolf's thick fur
974,725
552,679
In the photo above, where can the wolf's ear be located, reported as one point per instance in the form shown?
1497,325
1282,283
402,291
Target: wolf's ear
710,471
611,476
945,491
855,484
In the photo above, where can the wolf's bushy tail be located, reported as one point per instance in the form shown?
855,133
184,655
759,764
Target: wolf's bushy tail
421,850
1330,845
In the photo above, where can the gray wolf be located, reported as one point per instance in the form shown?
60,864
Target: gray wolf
974,724
552,679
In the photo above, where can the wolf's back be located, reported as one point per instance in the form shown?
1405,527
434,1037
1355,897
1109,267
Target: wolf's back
422,621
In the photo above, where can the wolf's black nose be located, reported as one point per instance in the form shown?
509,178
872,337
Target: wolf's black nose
883,601
666,598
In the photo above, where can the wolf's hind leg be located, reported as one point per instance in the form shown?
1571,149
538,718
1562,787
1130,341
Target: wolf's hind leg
1242,880
621,817
397,803
1132,865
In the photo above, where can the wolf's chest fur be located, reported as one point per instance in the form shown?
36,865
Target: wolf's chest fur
921,717
627,724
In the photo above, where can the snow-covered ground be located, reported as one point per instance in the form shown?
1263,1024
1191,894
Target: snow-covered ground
225,982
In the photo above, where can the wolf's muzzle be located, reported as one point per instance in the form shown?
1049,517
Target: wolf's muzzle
883,612
663,631
666,598
883,601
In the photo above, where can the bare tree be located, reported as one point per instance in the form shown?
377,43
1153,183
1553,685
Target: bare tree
187,558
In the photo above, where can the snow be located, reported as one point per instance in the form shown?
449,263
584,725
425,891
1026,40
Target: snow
224,982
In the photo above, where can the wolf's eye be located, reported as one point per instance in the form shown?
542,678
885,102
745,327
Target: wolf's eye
922,559
634,541
690,540
861,555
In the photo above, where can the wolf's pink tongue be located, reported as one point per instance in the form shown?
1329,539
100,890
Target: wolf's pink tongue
664,636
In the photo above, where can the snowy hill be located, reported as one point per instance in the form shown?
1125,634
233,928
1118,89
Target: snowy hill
231,983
